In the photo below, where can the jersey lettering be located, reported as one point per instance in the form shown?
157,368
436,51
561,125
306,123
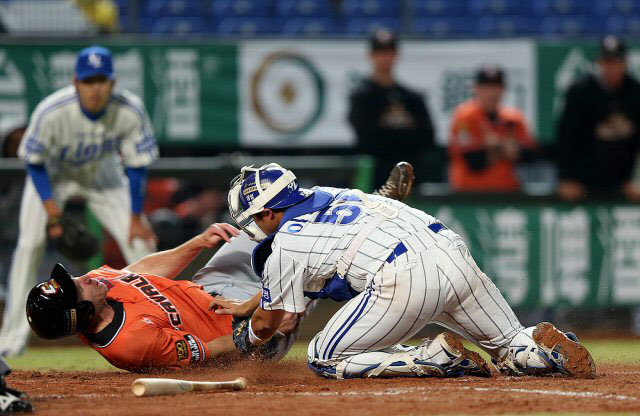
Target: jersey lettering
84,153
339,214
151,293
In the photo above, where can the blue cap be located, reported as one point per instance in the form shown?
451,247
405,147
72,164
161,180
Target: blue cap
94,60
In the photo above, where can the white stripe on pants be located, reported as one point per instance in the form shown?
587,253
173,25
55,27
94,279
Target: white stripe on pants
441,284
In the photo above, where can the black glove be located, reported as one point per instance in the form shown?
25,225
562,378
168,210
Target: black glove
266,351
76,242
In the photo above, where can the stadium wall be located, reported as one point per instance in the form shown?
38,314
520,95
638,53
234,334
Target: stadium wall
288,93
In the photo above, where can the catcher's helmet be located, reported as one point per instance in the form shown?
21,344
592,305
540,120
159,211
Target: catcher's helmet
53,309
270,186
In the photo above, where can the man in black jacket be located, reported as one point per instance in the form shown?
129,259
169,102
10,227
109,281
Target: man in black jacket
391,122
599,130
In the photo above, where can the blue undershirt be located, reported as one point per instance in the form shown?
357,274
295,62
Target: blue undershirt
92,116
137,187
41,180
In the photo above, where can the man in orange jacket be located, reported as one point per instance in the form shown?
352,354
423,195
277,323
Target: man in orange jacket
488,139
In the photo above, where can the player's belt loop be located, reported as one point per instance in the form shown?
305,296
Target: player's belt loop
400,249
436,227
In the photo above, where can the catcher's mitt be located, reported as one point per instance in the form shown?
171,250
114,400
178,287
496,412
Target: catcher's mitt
76,242
266,351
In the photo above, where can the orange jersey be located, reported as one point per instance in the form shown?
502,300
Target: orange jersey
158,322
472,130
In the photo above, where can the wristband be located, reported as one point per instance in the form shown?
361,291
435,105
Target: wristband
253,338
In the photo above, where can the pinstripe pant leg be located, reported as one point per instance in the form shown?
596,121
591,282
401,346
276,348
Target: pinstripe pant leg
395,306
475,308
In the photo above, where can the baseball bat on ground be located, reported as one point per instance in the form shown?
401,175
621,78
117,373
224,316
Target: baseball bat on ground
159,386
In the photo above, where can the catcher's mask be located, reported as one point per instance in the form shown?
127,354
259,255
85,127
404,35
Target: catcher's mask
254,189
53,309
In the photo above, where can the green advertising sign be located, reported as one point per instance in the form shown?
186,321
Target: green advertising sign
553,255
189,90
558,66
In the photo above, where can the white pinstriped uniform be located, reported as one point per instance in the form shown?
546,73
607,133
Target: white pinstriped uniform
435,280
83,158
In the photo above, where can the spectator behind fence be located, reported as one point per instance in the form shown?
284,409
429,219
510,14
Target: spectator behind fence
598,132
391,122
488,138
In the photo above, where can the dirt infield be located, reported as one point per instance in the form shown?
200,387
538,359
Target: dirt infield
290,388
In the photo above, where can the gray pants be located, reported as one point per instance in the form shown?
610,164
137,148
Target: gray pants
229,273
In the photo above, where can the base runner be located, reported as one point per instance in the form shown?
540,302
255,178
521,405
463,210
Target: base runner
136,319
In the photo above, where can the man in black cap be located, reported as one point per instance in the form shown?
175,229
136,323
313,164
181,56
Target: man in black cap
488,138
599,130
391,122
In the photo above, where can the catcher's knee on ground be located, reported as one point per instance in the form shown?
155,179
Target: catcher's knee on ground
434,358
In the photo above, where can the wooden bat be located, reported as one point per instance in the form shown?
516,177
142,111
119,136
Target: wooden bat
159,386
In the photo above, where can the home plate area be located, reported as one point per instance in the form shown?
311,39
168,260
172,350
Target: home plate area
289,388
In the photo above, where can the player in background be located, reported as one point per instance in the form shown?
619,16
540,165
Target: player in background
229,272
488,138
11,400
77,142
138,318
398,267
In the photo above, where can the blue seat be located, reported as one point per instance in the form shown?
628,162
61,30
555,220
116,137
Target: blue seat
309,26
245,26
507,26
241,8
623,25
442,27
371,8
305,8
366,26
178,25
500,7
178,8
566,7
572,25
620,7
428,8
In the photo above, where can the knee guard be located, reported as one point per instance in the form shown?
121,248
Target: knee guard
431,359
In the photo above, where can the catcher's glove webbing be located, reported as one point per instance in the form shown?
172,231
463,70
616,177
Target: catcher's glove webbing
266,351
76,242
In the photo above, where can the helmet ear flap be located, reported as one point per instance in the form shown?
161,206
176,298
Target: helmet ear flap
86,313
234,198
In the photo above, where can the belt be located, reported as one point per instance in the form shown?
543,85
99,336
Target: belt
436,227
400,249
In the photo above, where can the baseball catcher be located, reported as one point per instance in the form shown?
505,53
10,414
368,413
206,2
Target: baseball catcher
398,268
